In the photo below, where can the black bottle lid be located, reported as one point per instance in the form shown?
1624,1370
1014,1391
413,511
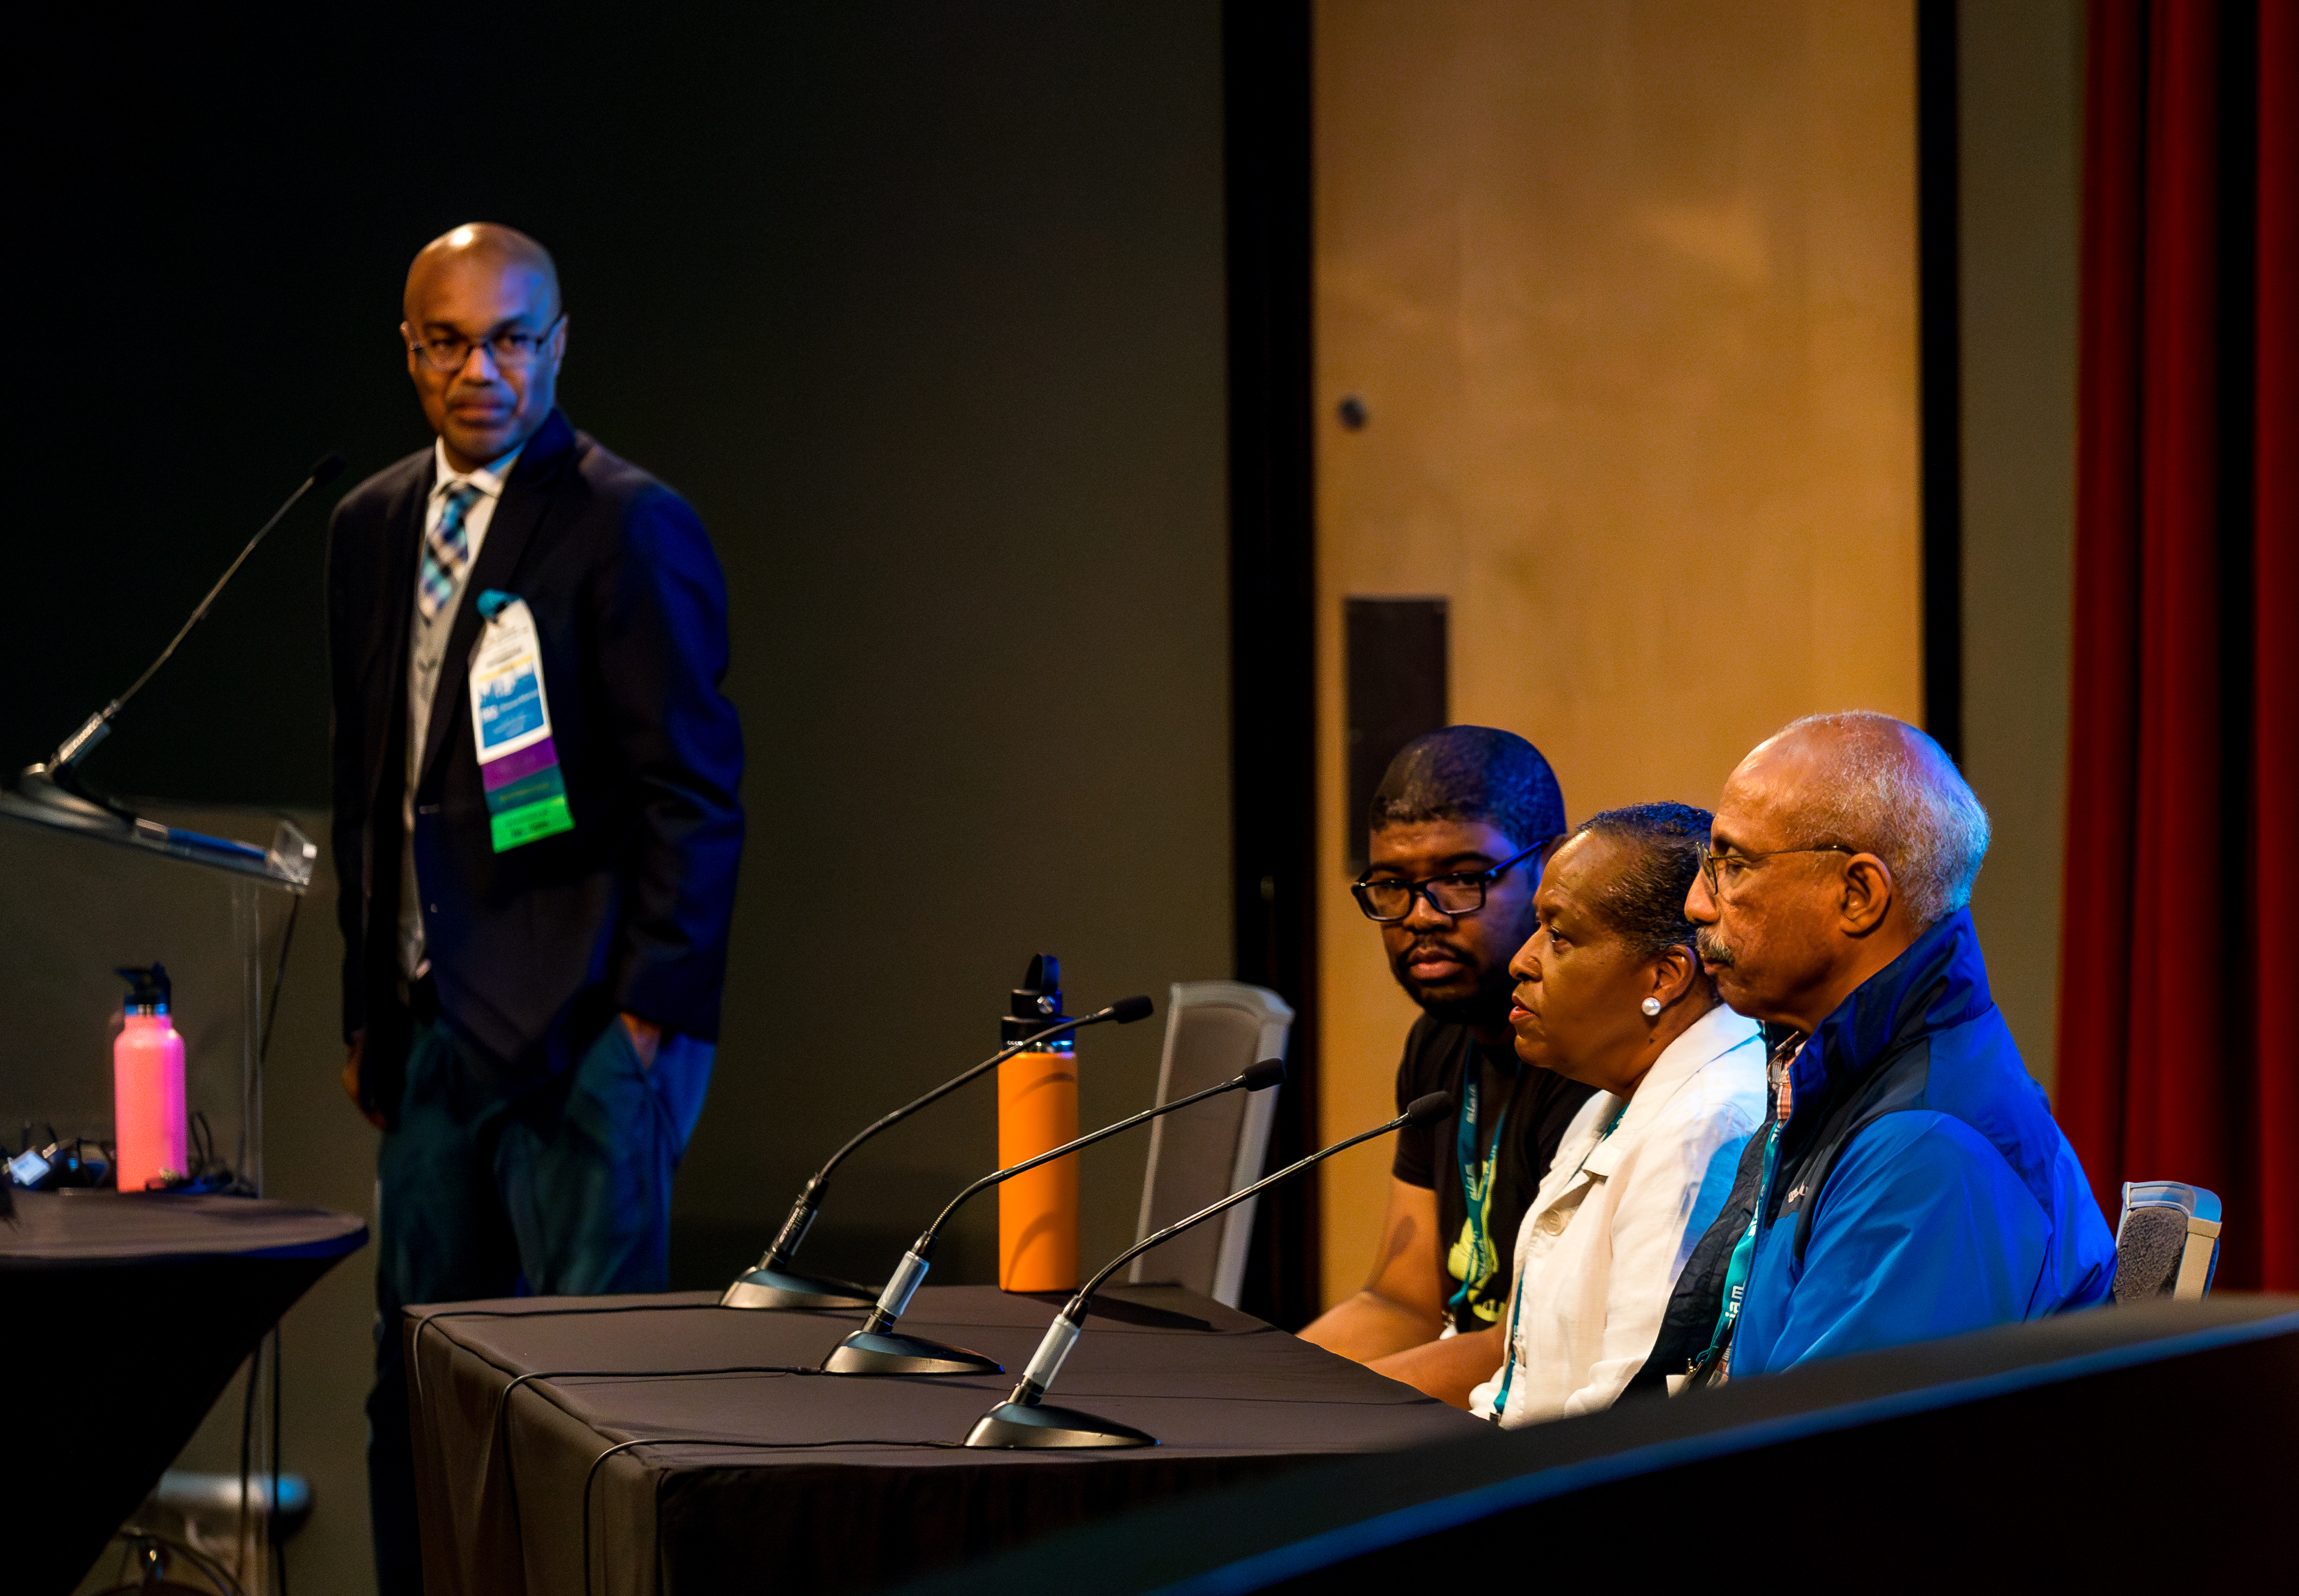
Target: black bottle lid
148,990
1036,1004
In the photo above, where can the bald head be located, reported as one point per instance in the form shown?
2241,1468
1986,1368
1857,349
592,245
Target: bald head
1876,785
484,246
484,334
1837,844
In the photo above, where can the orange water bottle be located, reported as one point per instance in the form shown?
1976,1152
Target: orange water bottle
147,1086
1037,1109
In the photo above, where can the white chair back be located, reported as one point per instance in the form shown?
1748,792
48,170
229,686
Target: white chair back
1214,1030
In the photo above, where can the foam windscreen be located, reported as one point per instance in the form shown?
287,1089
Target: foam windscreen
2147,1254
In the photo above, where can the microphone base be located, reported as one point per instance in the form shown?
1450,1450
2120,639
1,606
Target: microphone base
785,1288
54,793
878,1352
1010,1427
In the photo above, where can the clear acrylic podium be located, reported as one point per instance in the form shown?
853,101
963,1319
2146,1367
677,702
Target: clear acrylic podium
81,895
78,903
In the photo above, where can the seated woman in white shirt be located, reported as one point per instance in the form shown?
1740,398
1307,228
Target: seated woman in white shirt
1610,991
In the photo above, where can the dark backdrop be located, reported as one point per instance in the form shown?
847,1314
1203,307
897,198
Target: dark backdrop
921,306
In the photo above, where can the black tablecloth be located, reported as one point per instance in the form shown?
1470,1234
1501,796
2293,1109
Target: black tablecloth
78,1230
761,1481
121,1320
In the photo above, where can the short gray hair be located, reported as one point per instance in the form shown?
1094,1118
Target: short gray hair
1895,793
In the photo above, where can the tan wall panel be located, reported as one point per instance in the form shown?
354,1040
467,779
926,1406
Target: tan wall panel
1629,292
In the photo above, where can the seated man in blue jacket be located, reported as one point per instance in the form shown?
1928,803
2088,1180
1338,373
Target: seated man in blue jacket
1913,1183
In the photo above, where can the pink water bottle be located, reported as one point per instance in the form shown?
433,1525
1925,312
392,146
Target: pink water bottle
147,1086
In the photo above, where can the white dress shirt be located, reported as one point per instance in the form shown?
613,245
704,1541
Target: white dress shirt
427,650
1599,1250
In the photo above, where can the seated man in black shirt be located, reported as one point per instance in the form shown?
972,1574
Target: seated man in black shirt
1462,825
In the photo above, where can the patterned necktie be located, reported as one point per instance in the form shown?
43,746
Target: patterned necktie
446,552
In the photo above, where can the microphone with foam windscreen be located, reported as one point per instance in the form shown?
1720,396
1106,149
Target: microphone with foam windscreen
774,1284
53,785
878,1348
1023,1422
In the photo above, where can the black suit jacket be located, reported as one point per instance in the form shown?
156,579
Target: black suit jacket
534,949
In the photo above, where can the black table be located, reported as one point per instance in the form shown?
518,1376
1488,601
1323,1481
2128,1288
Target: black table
121,1320
757,1480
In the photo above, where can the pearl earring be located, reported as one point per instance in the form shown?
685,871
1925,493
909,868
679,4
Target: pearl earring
1651,1007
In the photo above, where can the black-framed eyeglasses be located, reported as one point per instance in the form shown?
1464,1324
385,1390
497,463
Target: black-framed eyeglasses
1388,901
511,350
1724,871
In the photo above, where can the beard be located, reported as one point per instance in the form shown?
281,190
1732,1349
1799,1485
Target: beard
1714,952
1486,1008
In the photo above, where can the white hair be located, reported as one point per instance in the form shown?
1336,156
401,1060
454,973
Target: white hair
1895,793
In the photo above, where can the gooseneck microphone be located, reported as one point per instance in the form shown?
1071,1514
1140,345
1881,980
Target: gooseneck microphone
877,1349
52,784
774,1284
1022,1422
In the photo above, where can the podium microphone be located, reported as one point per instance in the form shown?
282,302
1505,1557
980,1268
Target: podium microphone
774,1284
1021,1422
51,783
876,1349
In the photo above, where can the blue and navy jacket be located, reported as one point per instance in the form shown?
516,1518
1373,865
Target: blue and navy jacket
1922,1187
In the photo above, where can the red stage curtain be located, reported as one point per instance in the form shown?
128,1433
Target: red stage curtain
2177,1054
2275,622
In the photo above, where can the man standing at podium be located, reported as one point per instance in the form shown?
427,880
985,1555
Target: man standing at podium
536,830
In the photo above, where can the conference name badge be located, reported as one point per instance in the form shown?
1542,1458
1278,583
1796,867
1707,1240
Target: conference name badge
510,720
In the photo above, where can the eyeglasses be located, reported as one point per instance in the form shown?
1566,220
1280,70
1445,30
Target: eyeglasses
1724,871
1453,896
511,350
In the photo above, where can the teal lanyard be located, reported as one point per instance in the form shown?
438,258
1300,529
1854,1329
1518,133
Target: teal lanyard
1516,1297
1744,1250
1744,1256
1477,1179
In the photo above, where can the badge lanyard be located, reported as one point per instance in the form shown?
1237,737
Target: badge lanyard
1477,1181
510,722
1744,1250
1516,1297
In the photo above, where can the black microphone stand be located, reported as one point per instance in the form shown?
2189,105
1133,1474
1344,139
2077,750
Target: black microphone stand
774,1284
878,1348
53,785
1023,1423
